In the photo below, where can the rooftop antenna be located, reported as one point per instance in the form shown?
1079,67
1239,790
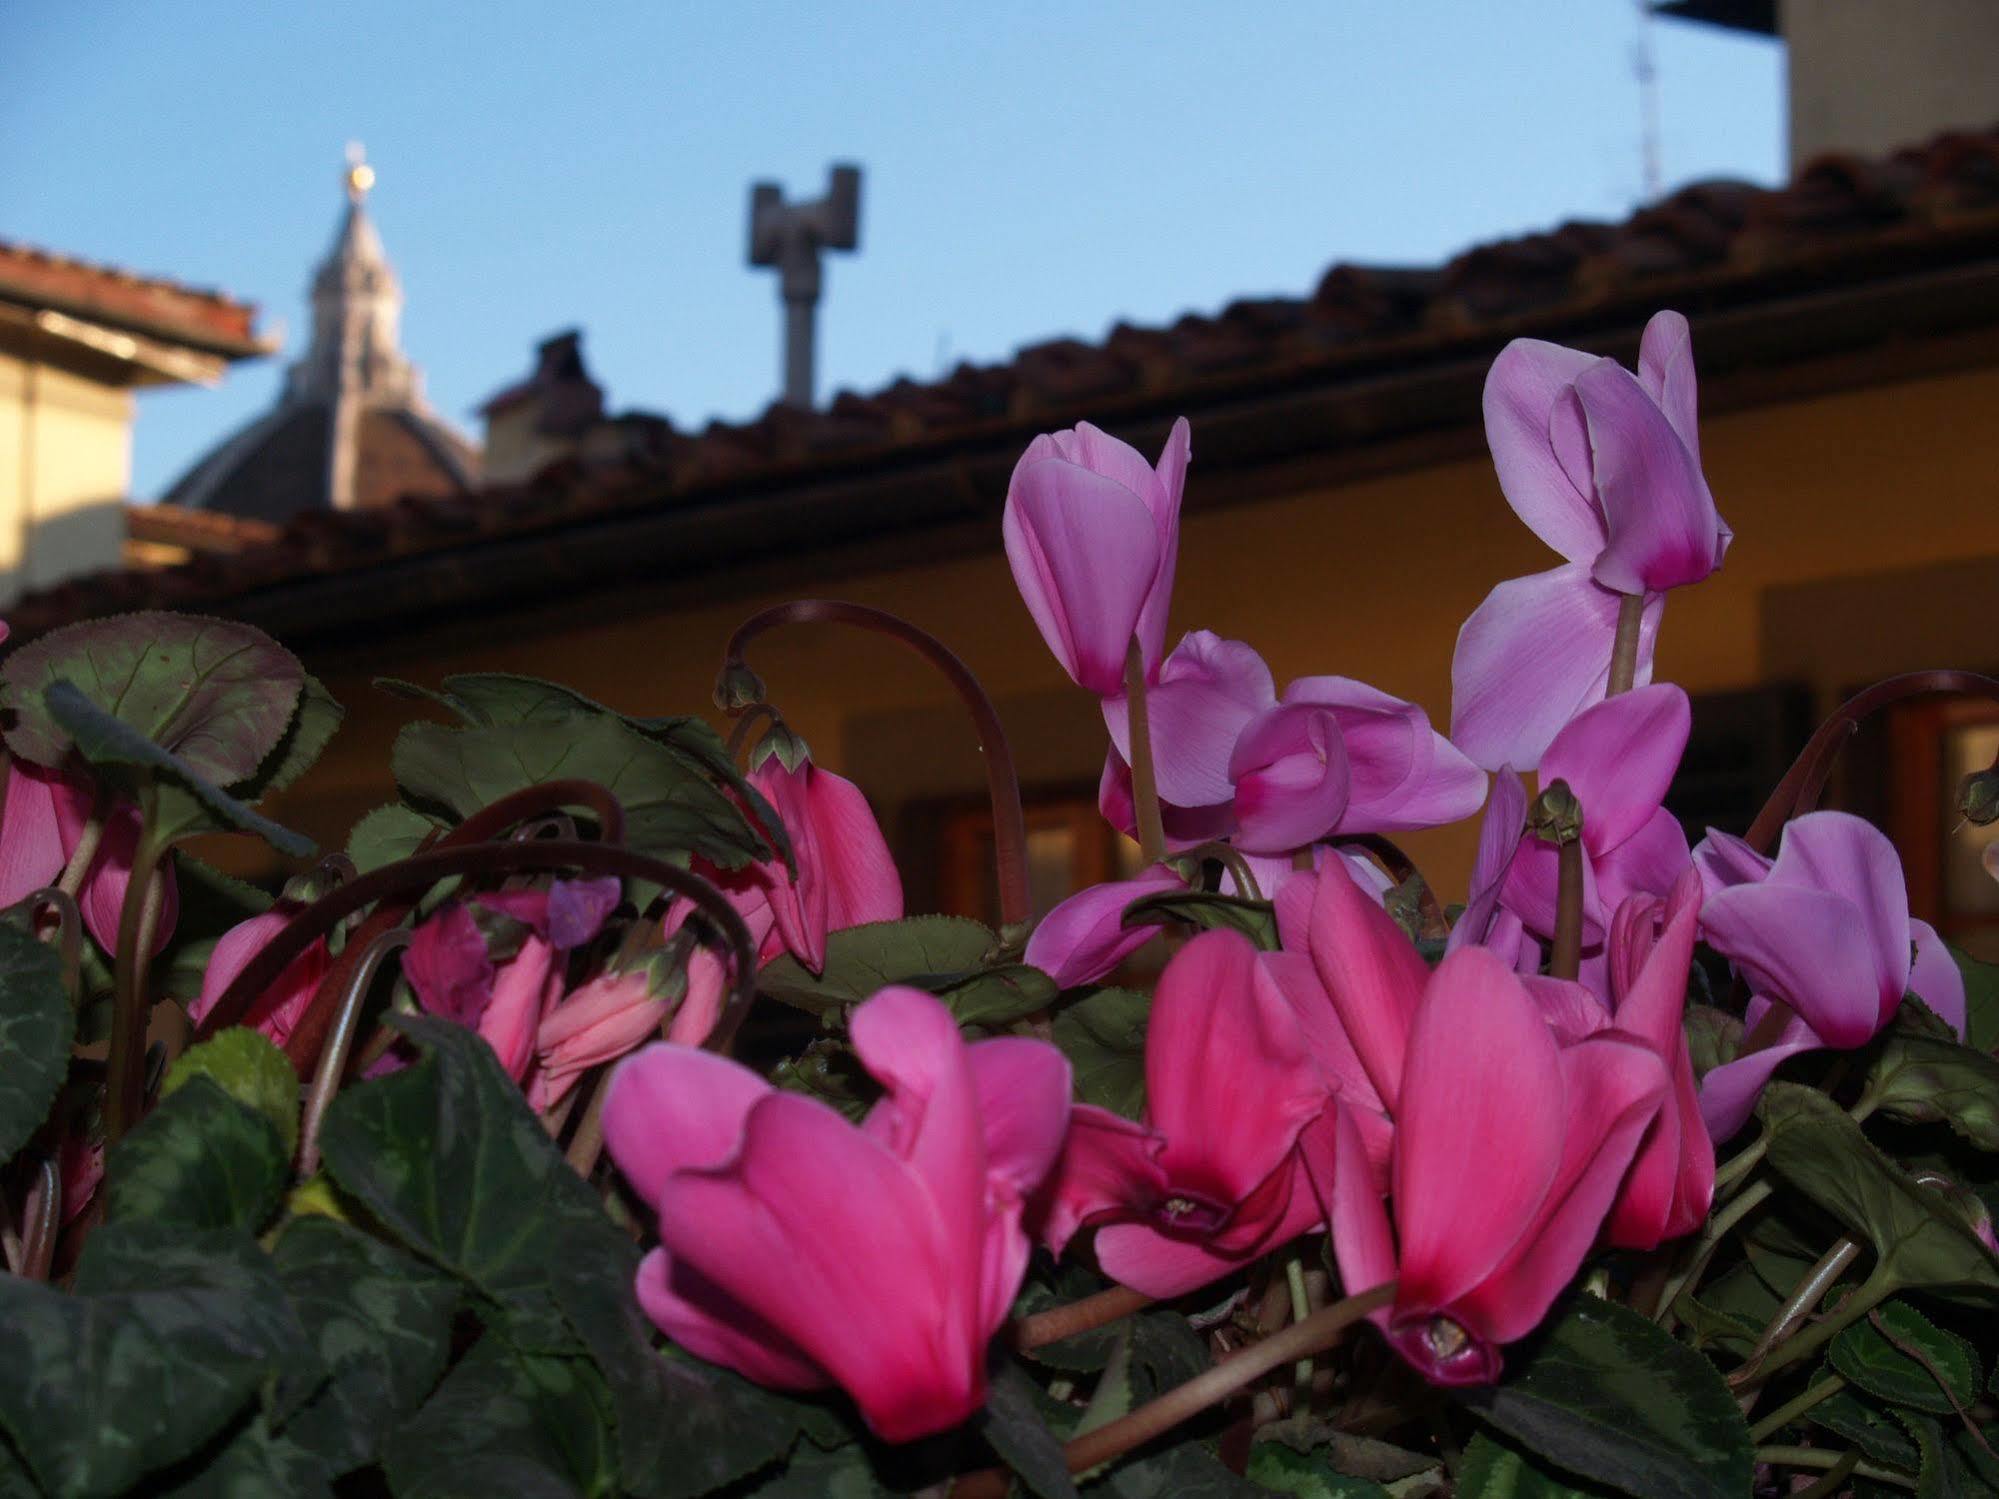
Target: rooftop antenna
790,236
1645,66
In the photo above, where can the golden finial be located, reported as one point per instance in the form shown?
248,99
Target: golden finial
359,176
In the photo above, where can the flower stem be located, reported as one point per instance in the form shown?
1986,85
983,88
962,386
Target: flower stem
1876,1289
1821,1457
138,919
1624,648
1710,1239
1002,784
1565,955
70,881
1060,1322
1316,1333
333,1059
1144,784
1785,1414
1301,1308
588,1142
1808,1293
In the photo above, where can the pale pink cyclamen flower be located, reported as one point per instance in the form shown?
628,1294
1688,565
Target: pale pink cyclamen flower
1508,1152
846,875
802,1251
41,825
276,1011
1215,1175
619,1010
1603,466
1825,929
1092,533
1331,756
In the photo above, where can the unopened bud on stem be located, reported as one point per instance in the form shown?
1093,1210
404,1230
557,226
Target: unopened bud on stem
1978,798
791,751
737,688
1556,816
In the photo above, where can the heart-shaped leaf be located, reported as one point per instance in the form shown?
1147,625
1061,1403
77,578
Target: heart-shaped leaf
1919,1238
217,696
1925,1075
1898,1355
930,952
244,1064
180,801
1605,1392
1012,1422
1981,1000
1103,1036
168,1336
1494,1470
201,1160
36,1027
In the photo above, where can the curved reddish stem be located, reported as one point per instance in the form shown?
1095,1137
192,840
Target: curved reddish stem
1799,791
1002,784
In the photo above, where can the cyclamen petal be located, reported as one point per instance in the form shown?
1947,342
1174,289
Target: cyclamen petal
798,1248
1084,938
1289,768
1208,692
1664,531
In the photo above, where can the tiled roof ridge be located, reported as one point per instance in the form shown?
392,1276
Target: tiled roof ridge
228,317
1837,210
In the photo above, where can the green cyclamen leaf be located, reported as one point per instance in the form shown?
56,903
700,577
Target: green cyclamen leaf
1103,1036
931,952
1012,1422
1605,1392
36,1028
1494,1470
380,1322
1880,1439
1278,1469
184,801
1919,1238
504,1423
168,1336
1981,1000
1925,1075
1207,911
1898,1355
246,1066
216,695
671,809
201,1160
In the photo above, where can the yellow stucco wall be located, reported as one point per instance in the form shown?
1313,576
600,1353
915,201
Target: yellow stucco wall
1369,580
65,470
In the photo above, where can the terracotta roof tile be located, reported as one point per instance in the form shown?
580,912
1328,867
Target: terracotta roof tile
1708,240
195,316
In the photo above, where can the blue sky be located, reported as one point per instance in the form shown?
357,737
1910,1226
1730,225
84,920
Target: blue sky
1033,169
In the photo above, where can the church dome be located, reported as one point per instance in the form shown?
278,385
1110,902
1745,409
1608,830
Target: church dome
352,428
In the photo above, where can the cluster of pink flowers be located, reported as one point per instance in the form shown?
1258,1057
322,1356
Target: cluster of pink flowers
1472,1131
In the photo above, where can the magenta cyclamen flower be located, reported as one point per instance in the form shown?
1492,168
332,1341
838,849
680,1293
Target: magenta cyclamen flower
1233,759
1092,532
276,1011
1604,466
1508,1152
1216,1174
801,1250
1826,930
41,827
846,876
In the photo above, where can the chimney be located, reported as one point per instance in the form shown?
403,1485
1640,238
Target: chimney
545,417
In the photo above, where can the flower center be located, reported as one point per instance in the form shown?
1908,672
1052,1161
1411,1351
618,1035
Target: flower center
1187,1212
1445,1338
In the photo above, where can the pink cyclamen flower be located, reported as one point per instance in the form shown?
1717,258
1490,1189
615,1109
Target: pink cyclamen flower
846,875
276,1011
1084,938
1233,759
1092,533
597,1022
42,825
802,1251
1508,1152
1215,1175
1618,758
1824,929
1604,466
1671,1185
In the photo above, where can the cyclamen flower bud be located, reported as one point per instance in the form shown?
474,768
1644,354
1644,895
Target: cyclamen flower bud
1978,798
1556,816
737,688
